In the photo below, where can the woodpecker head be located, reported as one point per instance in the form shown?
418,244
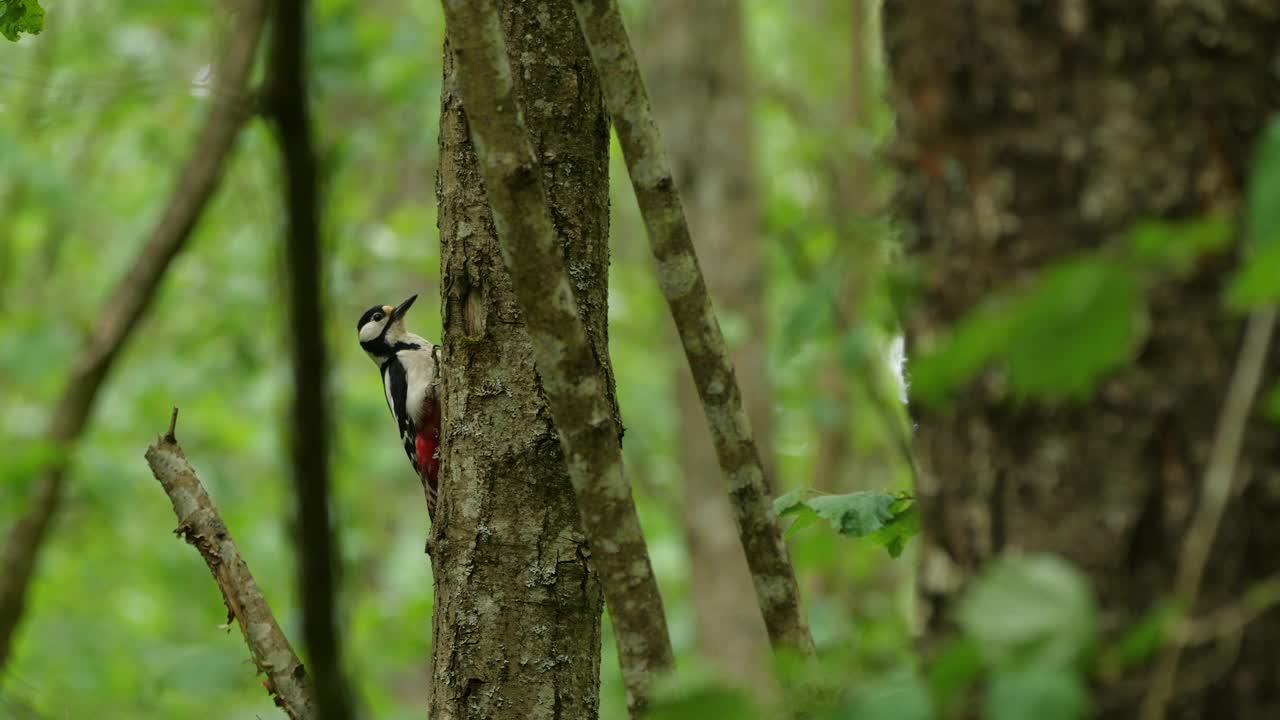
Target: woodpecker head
381,328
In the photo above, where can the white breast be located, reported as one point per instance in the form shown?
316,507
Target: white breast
420,372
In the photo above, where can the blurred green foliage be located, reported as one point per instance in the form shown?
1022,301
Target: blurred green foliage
124,622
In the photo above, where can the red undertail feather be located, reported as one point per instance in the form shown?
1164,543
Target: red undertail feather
427,445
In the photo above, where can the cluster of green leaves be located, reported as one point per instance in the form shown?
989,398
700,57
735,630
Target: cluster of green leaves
1083,317
20,16
1029,628
884,519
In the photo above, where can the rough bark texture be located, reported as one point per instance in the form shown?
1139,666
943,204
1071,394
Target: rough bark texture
573,379
201,526
517,614
195,184
700,91
1031,131
316,540
684,288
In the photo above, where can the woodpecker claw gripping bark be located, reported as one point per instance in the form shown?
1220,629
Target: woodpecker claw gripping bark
408,364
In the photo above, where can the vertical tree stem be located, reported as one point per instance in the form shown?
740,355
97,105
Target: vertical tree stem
316,539
569,370
683,285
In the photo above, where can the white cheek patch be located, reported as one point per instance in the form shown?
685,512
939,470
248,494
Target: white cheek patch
371,330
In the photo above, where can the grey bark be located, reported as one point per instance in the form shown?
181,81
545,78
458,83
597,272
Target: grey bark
316,540
684,288
194,185
1025,137
572,377
201,526
517,615
702,102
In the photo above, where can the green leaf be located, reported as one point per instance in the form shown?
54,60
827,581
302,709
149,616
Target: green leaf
1178,245
893,537
1036,693
855,514
1262,218
1079,320
1257,282
793,503
1083,320
804,517
1035,609
20,16
788,503
1141,640
884,519
979,336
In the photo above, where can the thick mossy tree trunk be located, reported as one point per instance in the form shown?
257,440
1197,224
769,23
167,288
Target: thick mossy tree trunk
1030,131
699,72
517,615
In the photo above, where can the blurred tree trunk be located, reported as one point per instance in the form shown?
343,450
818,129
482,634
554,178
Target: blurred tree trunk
516,627
1029,132
700,95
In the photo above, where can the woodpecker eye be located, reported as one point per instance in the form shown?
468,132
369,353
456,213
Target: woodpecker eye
378,316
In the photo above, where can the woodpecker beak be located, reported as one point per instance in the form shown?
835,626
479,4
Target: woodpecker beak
398,311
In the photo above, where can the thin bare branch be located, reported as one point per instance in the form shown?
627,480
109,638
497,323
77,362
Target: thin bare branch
201,526
316,538
569,370
195,184
1219,477
686,292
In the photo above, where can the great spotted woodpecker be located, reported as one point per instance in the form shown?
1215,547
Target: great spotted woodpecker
408,366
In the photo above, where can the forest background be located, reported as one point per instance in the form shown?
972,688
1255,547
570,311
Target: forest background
794,107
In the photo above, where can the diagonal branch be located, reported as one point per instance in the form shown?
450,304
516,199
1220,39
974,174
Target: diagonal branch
686,292
316,539
569,371
201,526
195,185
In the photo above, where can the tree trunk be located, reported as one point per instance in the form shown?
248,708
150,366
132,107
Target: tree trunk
517,615
1028,132
700,95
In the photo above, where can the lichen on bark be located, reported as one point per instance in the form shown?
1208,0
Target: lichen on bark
517,617
690,306
567,363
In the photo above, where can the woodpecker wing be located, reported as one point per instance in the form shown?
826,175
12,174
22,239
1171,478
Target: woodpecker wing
396,384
